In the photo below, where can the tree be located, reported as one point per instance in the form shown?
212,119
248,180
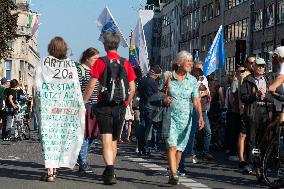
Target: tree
8,26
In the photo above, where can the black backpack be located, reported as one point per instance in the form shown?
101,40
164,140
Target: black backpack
115,85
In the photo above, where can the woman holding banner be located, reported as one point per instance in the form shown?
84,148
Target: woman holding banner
88,58
60,108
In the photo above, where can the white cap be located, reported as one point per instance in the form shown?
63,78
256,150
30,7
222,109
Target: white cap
279,51
259,61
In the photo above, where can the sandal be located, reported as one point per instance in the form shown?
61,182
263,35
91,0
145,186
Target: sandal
48,178
55,173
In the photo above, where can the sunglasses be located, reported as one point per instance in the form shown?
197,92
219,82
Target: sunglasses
251,62
242,71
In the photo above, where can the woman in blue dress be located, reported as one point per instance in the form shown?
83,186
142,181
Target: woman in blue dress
183,95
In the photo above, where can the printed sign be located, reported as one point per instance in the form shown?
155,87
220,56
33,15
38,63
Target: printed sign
61,111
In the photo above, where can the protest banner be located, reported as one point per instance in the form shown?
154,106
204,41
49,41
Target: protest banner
60,108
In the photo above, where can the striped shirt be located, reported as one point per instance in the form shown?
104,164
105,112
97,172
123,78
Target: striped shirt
84,80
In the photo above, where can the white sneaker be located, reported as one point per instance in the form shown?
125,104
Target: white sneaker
193,159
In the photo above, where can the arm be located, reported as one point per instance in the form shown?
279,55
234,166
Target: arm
131,91
11,101
198,109
247,96
279,80
89,89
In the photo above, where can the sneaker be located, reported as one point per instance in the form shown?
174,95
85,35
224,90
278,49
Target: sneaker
208,157
193,159
242,164
182,172
247,169
109,179
85,168
233,158
173,179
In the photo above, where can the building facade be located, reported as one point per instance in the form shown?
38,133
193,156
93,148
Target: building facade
25,55
195,23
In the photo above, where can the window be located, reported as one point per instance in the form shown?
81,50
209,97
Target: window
245,28
210,40
232,3
258,20
8,69
22,67
280,13
269,16
217,8
10,44
203,43
210,11
204,13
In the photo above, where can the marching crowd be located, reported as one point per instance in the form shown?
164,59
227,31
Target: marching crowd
180,109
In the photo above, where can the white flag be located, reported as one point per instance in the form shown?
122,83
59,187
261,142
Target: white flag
141,46
106,23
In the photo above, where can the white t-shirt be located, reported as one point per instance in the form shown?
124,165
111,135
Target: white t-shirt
280,90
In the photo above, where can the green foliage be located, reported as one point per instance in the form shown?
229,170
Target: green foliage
8,26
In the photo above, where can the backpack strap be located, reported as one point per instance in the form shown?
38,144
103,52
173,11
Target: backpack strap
82,69
107,62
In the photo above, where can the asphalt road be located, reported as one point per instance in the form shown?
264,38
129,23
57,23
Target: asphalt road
21,166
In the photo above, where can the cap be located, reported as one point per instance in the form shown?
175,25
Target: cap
155,69
260,61
279,51
4,80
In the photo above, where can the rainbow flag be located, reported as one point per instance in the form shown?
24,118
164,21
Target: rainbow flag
33,22
134,57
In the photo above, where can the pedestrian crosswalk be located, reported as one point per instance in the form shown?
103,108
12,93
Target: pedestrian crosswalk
184,180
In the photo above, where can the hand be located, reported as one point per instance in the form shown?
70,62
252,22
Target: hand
168,100
201,123
132,112
272,89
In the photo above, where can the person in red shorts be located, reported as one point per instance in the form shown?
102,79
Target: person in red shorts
117,79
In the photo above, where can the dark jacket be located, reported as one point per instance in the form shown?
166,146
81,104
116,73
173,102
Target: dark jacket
248,94
161,113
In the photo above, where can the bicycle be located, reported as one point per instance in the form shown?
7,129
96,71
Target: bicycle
273,158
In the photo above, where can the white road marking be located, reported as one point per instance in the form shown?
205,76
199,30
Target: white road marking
10,158
187,182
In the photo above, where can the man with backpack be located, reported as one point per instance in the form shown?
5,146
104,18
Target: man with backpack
117,81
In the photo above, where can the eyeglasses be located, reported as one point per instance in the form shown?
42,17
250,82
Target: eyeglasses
261,66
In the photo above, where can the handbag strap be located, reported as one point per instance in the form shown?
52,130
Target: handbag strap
166,88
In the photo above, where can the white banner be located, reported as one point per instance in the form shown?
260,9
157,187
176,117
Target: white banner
61,111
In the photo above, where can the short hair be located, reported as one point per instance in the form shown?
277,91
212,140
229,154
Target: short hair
248,57
88,53
182,56
58,48
197,72
14,83
111,40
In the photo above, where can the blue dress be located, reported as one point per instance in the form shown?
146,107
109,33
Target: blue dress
182,93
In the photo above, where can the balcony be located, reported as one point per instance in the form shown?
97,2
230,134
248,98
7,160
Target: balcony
23,31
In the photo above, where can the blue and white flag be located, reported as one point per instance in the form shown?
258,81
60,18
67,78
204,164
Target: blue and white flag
216,55
140,43
106,23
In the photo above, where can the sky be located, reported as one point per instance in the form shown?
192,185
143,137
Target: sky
75,21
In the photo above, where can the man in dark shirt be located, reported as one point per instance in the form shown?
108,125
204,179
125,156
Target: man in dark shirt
146,88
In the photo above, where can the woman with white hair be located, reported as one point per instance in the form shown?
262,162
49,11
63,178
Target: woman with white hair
182,95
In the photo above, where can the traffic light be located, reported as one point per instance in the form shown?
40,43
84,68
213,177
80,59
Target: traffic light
240,55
